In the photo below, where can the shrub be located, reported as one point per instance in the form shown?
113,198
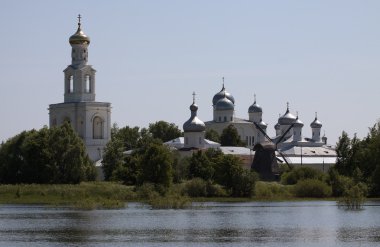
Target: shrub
196,187
266,190
147,191
312,188
244,183
215,190
354,197
301,173
339,183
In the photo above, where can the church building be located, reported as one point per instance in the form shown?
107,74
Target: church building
89,118
223,104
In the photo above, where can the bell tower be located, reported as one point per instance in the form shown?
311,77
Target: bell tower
90,119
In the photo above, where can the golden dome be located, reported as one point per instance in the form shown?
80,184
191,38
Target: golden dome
79,37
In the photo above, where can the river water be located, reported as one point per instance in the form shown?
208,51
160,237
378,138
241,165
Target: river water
311,223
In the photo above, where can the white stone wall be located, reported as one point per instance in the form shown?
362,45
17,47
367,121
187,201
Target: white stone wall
246,130
194,139
81,116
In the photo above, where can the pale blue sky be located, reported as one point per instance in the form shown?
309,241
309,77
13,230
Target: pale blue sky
150,56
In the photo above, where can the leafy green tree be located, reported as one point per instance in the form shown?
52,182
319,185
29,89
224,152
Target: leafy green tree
230,137
302,173
128,136
164,131
156,165
212,135
113,158
200,166
68,156
55,155
11,159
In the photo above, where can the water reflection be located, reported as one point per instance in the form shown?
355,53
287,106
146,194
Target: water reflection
214,224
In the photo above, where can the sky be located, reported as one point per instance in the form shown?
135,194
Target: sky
320,56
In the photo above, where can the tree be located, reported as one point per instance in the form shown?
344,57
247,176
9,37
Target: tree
233,176
200,166
164,131
68,156
212,135
156,165
113,158
55,155
127,135
230,137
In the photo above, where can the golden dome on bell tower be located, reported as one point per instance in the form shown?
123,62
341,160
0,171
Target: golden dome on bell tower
79,37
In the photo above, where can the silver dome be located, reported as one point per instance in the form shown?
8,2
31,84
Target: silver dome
224,104
316,123
287,118
255,108
277,126
298,123
263,125
194,124
220,95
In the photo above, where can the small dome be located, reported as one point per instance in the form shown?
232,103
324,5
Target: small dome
255,108
79,37
298,123
220,95
193,107
287,118
277,126
263,125
224,104
194,124
316,123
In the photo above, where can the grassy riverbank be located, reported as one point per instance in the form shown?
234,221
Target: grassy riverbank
93,195
85,195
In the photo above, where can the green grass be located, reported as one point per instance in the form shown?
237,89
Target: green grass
90,195
109,195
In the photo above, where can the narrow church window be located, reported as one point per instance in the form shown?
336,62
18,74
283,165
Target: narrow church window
225,119
97,128
200,140
71,84
220,119
88,85
231,118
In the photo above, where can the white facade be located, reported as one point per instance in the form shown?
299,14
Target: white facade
90,119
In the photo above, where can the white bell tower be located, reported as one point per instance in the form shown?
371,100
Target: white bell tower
90,119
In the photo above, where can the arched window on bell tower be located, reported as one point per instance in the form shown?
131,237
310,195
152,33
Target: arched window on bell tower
97,128
71,84
88,84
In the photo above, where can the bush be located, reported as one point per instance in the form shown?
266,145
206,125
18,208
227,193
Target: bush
147,191
244,183
197,187
339,183
312,188
266,190
354,197
301,173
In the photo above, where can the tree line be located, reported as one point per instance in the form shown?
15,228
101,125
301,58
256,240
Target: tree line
149,161
48,155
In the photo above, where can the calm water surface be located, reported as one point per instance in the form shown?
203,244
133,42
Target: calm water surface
313,223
